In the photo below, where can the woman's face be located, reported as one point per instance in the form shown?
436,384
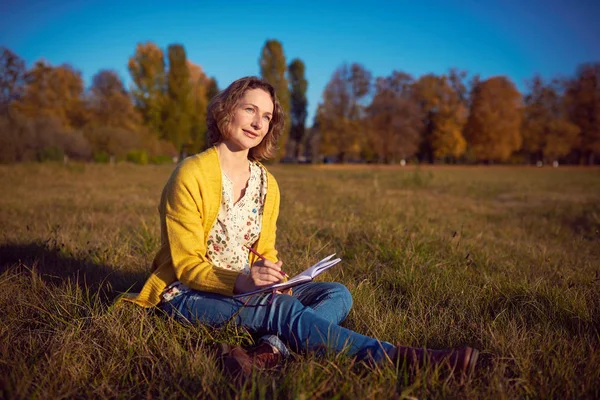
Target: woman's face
251,118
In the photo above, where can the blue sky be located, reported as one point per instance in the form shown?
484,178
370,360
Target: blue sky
510,37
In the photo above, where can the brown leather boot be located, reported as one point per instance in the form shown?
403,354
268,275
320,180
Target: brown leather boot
460,362
265,356
239,362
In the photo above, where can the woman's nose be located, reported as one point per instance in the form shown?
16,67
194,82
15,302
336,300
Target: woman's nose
257,122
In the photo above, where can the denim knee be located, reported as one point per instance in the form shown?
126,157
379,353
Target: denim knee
333,301
343,297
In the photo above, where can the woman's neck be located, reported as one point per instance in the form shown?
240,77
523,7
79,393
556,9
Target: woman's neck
232,162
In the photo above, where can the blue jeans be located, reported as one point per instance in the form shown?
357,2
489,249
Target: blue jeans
306,320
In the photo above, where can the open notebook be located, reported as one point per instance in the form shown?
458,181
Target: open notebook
305,276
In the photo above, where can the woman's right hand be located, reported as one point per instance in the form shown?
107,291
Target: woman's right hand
263,273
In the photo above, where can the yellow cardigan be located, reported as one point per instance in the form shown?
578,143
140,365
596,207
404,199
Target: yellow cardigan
188,208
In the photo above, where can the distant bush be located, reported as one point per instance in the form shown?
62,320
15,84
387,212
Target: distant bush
25,138
101,157
111,140
40,138
161,160
155,146
50,153
76,145
137,157
10,145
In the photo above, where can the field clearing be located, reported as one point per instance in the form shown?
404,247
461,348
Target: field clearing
505,259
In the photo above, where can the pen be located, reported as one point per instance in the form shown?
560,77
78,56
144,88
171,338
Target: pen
262,257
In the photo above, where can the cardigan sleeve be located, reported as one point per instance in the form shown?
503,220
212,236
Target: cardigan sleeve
182,214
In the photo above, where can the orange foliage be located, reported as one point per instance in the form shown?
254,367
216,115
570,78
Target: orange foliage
493,128
444,116
54,92
394,119
199,83
147,69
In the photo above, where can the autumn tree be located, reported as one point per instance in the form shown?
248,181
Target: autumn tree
212,89
312,138
147,69
110,102
394,119
583,103
12,78
493,127
200,84
442,105
177,125
547,133
49,115
298,87
458,105
55,92
343,111
457,80
12,137
273,68
115,124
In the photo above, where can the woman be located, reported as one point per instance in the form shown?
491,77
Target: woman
214,207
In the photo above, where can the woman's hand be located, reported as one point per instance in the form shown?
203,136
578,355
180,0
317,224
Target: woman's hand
263,273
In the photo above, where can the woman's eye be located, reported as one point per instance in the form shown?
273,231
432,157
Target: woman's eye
250,109
267,118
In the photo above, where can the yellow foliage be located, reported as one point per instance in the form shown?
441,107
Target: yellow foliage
53,92
198,102
493,128
444,116
147,69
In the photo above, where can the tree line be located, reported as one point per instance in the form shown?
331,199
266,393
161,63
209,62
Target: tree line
46,113
451,118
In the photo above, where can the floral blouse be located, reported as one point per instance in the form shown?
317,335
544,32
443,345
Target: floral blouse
237,225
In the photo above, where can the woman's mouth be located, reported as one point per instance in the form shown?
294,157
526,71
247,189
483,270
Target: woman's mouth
251,135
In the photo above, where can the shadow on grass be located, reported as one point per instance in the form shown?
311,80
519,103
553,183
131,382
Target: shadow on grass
54,266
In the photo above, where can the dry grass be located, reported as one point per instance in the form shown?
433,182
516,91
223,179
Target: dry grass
504,259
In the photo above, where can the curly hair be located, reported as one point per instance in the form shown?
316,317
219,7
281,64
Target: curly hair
221,110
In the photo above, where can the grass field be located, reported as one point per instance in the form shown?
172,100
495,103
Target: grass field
505,259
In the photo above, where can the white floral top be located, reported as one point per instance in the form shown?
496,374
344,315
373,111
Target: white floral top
237,225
